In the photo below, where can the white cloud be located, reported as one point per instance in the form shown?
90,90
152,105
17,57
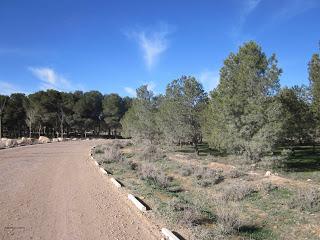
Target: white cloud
248,6
209,79
8,88
51,79
152,43
130,91
292,8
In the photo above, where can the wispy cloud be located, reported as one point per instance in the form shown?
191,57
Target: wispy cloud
209,79
152,43
50,79
8,88
292,8
248,6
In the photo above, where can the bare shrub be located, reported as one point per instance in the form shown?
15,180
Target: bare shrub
151,153
235,173
306,200
98,151
228,218
186,170
207,177
150,173
185,213
112,153
132,165
267,187
237,191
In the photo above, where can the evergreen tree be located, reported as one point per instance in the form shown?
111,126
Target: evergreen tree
243,114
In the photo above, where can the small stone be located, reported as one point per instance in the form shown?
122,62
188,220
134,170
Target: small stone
268,173
309,180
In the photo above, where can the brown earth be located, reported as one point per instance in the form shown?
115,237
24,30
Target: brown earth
53,191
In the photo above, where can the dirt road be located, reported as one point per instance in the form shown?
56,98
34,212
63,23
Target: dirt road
52,191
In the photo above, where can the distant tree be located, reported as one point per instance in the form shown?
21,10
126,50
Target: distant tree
314,77
180,109
30,119
297,115
87,110
139,121
243,114
14,114
113,109
3,102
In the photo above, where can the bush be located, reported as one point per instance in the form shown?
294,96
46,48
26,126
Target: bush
132,165
112,153
235,173
151,174
237,191
306,200
184,213
268,187
207,177
228,218
186,170
98,151
151,153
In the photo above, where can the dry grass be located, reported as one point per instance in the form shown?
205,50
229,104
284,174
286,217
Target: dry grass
306,200
153,175
207,177
237,191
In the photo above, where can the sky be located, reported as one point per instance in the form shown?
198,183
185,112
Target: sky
116,46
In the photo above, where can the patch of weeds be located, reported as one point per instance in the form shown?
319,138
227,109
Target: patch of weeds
257,233
150,173
235,174
186,170
228,218
132,165
98,151
151,153
237,191
306,200
268,187
187,214
112,153
206,177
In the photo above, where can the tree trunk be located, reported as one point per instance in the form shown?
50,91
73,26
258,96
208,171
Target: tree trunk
61,129
30,130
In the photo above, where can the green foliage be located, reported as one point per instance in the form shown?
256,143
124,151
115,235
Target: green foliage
243,114
179,112
139,122
297,117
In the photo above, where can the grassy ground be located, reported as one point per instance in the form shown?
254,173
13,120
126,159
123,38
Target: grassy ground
203,197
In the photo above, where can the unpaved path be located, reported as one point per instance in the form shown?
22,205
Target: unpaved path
52,191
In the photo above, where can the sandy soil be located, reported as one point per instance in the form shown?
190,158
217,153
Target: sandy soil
53,191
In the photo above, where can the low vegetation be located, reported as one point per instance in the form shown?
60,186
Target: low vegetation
202,197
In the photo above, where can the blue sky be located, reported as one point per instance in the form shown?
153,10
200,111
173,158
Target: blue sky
116,46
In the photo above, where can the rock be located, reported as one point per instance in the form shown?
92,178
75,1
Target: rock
24,141
74,139
55,140
309,180
11,143
60,139
43,139
268,173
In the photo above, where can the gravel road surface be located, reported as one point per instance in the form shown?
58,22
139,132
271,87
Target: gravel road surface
53,191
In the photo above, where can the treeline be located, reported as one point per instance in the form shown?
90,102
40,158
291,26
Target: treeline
248,113
59,114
